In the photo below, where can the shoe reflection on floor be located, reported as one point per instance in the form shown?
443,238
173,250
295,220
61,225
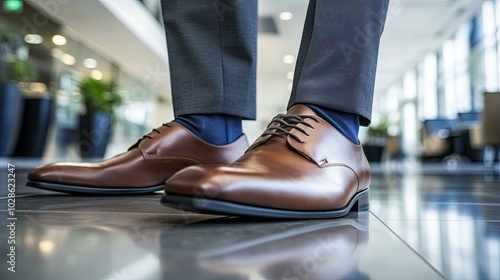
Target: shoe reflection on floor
270,249
188,246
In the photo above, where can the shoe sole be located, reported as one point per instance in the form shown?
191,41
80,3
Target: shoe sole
359,202
90,190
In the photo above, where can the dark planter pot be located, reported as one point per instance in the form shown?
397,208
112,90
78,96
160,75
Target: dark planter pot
65,138
373,153
95,132
35,127
11,113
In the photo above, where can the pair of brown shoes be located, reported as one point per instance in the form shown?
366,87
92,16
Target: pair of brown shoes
301,167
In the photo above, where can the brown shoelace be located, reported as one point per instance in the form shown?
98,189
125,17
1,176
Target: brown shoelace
288,122
147,136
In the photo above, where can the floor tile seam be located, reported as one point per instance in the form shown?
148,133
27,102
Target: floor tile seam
440,174
409,247
44,194
459,203
17,196
443,220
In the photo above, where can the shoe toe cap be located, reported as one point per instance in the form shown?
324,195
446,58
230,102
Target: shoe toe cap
52,172
41,173
192,181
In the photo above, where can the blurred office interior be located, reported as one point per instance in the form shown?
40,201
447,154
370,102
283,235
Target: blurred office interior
433,143
438,67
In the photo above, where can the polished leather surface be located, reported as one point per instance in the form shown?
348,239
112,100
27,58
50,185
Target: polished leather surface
322,171
149,162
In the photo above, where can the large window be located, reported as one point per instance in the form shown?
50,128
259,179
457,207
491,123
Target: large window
427,88
490,46
485,52
451,80
462,83
455,78
454,90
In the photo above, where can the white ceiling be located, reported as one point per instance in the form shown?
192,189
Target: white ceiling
414,28
120,30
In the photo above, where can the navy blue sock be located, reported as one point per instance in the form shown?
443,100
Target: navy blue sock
346,123
216,129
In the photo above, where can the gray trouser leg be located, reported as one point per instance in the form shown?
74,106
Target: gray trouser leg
337,59
212,54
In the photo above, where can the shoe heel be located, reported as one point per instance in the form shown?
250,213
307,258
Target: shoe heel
363,202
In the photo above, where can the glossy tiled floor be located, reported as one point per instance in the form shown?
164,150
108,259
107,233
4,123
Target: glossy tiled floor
418,227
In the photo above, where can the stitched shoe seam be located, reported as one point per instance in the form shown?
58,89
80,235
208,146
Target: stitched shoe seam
301,152
174,158
347,166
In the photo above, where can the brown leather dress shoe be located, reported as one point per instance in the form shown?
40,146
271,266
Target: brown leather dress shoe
142,169
301,167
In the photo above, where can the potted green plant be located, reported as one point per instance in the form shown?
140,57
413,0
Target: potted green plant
376,138
11,100
21,71
37,113
100,100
